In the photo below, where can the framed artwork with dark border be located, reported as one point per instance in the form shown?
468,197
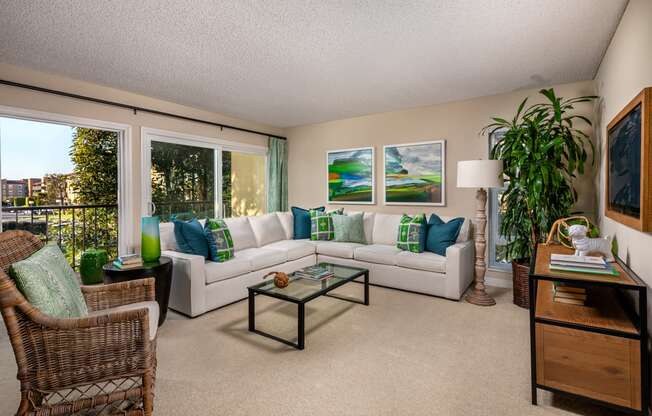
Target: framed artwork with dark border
350,178
628,171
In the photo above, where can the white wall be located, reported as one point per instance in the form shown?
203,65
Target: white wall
625,70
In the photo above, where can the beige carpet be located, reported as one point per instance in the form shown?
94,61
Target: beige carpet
405,354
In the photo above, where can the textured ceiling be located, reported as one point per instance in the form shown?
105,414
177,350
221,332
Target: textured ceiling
294,62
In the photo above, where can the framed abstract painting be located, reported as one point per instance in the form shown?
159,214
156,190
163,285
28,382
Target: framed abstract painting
414,173
351,176
628,169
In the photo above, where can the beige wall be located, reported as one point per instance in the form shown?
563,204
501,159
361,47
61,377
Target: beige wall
625,70
248,175
25,99
459,123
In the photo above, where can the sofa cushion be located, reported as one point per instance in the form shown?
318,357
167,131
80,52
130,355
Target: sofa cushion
152,313
412,233
368,223
427,261
190,237
287,221
377,253
321,224
241,232
442,235
216,272
220,243
294,249
49,283
262,257
465,231
267,229
337,249
168,242
385,229
349,228
301,222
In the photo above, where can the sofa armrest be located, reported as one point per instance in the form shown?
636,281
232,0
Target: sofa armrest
187,293
460,258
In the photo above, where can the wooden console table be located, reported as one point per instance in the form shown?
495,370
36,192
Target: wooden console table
598,351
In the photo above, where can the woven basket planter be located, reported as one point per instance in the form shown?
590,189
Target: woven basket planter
520,276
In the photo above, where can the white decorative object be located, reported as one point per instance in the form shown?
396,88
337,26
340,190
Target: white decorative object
584,245
480,174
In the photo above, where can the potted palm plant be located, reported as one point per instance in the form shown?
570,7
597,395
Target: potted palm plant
542,152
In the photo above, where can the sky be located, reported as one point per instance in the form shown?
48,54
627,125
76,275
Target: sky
29,149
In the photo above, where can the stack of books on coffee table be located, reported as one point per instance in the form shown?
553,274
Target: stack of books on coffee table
581,264
130,261
317,272
564,293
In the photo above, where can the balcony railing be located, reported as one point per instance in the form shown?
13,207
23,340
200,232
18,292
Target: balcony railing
75,228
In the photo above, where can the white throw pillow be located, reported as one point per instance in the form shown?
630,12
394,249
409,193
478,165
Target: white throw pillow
287,221
267,229
386,228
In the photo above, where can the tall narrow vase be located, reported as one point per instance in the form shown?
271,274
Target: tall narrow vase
150,243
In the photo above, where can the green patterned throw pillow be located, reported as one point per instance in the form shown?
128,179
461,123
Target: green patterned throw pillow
49,283
220,243
349,228
412,233
321,224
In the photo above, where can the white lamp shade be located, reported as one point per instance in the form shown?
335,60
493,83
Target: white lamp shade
480,174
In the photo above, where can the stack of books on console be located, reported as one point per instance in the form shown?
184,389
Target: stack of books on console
130,261
581,264
316,272
572,295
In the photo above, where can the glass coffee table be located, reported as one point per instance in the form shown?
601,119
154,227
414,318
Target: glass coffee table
302,291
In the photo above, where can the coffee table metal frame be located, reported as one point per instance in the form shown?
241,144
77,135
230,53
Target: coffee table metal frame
301,314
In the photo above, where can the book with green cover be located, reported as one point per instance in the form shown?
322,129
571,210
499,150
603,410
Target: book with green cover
609,271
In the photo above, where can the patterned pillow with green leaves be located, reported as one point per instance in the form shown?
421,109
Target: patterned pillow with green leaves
412,233
49,283
220,243
321,224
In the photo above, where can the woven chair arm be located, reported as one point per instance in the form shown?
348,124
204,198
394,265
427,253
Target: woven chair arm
62,352
118,294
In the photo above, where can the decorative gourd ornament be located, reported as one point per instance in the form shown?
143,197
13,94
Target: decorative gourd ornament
281,279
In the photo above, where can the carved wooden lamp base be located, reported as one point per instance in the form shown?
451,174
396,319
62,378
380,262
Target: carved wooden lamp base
478,295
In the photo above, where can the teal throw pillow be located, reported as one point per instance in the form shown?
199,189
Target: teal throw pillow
48,282
190,237
412,233
321,224
302,222
442,235
220,243
349,228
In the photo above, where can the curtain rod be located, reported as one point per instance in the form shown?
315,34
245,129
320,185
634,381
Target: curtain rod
135,109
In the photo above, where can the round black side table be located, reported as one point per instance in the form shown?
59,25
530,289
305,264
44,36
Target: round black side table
160,270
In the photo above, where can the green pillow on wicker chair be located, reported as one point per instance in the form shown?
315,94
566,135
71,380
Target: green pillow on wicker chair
412,233
321,224
48,282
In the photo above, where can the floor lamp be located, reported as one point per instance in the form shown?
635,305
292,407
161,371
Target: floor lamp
480,174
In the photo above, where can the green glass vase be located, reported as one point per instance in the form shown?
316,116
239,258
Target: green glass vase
150,242
90,266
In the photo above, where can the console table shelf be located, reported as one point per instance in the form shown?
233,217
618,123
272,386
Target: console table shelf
597,351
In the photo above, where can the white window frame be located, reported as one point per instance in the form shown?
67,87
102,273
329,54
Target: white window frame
218,145
494,227
126,237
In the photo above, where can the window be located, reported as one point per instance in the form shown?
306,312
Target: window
196,177
497,243
60,182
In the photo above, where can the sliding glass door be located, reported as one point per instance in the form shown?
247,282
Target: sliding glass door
186,177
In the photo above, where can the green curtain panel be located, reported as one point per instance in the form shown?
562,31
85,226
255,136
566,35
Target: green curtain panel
277,194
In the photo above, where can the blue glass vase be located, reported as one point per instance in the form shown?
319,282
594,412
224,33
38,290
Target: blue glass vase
150,241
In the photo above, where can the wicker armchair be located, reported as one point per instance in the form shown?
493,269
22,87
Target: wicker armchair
91,365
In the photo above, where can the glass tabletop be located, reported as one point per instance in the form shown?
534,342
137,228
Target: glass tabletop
300,289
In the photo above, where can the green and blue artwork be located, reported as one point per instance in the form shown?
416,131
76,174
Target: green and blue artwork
351,176
414,173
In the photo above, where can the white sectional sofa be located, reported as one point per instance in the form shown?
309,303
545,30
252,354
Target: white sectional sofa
264,243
